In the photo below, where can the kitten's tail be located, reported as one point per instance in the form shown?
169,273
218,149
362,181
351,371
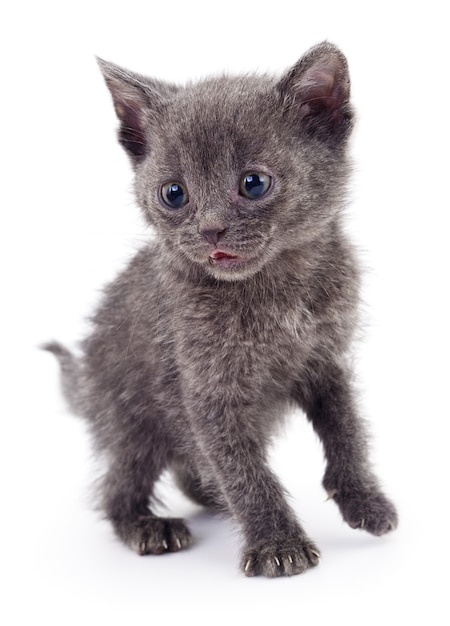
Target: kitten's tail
70,374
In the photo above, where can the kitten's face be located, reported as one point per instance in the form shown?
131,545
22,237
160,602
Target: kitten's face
218,179
228,175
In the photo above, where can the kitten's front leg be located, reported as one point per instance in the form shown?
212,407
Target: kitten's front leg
328,401
126,490
233,452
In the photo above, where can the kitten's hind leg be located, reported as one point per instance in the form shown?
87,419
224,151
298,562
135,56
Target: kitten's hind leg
348,478
127,489
188,480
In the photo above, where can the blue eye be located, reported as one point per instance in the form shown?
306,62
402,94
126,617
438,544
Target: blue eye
254,185
174,195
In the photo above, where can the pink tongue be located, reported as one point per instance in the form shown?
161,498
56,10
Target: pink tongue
217,254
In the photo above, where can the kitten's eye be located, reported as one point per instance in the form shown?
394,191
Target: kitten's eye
254,185
174,195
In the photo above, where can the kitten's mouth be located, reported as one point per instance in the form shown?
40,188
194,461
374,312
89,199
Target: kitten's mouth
223,259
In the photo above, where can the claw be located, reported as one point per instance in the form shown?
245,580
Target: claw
362,523
290,558
316,554
277,561
165,545
247,565
142,547
178,543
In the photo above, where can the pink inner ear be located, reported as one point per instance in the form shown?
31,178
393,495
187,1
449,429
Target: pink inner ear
321,88
129,113
132,127
320,81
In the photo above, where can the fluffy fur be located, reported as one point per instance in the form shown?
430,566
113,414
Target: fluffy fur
243,306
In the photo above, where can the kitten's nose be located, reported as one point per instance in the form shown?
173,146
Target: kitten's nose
212,233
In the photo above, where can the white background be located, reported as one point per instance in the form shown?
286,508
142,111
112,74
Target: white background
68,222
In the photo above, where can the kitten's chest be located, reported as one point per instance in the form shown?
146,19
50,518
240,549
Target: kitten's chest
260,339
277,326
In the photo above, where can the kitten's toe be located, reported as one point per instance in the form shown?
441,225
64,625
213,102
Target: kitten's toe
154,535
370,511
280,558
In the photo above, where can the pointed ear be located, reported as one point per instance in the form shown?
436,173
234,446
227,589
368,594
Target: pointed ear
316,93
137,101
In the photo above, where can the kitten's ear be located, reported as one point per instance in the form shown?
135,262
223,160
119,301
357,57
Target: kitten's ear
137,101
316,93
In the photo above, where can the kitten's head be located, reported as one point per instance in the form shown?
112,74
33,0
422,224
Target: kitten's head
235,172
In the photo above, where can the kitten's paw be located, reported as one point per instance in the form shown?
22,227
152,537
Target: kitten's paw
370,511
280,558
155,535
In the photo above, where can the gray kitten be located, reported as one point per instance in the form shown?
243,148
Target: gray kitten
243,307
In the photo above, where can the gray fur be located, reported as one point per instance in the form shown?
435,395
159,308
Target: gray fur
194,360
